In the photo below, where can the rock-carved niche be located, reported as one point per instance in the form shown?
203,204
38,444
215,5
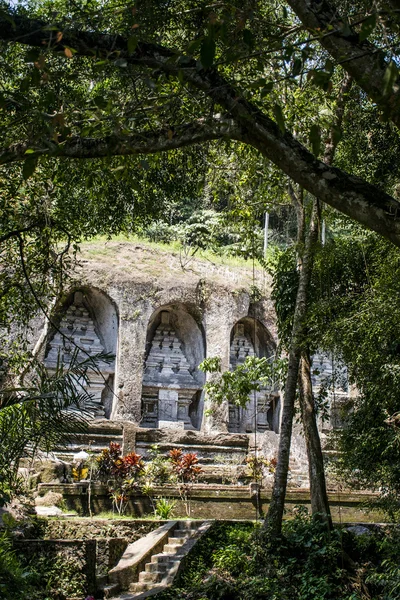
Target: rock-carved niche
172,384
330,380
251,338
88,326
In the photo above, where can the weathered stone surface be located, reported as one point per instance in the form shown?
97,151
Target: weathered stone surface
191,438
70,529
137,554
49,499
125,286
359,530
129,289
51,471
233,502
48,511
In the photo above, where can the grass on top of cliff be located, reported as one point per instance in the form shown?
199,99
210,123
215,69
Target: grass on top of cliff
159,260
104,246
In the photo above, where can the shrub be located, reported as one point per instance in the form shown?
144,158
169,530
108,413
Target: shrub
164,508
122,474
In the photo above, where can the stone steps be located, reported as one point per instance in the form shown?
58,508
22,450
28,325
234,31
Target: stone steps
159,571
97,437
298,475
204,452
219,455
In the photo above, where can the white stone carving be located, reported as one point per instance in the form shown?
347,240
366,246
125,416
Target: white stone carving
261,405
167,369
77,340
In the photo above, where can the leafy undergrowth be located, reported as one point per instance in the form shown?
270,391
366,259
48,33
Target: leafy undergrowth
43,576
234,563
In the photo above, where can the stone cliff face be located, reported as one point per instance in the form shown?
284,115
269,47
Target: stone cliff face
160,318
159,315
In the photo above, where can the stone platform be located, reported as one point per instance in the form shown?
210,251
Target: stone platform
224,502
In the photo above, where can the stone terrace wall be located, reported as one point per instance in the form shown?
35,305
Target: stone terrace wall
77,556
67,529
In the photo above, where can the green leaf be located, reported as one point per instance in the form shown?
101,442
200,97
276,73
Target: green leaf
315,139
367,27
193,46
132,43
4,15
337,134
207,52
32,55
389,78
280,119
345,29
100,102
29,167
288,52
267,89
329,66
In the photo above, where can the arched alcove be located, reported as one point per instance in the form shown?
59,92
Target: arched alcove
172,384
249,337
86,324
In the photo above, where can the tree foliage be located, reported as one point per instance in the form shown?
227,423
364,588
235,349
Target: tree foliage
100,80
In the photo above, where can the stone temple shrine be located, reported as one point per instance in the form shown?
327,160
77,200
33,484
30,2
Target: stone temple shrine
153,322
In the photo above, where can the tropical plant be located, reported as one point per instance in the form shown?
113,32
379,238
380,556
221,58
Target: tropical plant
257,465
42,413
235,386
187,470
164,508
122,474
13,576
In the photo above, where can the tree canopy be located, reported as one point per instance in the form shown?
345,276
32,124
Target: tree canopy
95,80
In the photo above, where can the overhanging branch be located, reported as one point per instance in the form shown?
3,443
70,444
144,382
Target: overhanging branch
244,122
123,145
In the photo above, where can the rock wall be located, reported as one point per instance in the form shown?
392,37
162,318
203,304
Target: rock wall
124,298
126,286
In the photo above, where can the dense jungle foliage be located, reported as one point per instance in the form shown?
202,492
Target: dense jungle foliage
234,563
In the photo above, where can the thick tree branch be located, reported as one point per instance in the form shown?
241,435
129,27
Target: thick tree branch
15,233
362,60
123,145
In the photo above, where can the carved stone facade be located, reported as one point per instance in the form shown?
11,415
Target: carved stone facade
330,383
160,322
170,390
262,412
75,341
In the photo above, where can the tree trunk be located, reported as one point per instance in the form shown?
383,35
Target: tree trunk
318,493
273,523
319,497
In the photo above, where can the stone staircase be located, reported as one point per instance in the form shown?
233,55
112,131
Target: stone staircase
97,437
157,567
298,473
163,565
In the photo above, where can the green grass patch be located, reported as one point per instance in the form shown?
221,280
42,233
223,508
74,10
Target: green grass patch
97,246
